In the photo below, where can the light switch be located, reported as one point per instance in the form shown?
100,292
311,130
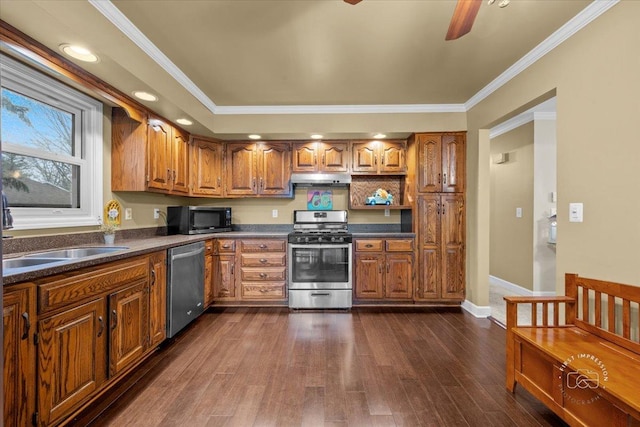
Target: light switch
576,212
274,213
128,214
518,212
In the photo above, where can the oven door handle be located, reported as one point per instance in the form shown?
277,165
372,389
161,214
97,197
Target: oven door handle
320,246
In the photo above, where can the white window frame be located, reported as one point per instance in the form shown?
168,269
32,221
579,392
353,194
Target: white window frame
89,141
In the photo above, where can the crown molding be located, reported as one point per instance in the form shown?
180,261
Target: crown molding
511,124
117,18
342,109
575,24
544,116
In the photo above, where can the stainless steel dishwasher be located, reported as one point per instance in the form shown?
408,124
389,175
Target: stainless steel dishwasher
185,287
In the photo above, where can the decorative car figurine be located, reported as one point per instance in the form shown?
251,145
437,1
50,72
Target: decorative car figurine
380,197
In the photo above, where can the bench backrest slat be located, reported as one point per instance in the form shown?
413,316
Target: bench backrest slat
619,299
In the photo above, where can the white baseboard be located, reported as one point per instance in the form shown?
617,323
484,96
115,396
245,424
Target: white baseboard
517,289
476,310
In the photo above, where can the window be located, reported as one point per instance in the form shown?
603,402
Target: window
51,150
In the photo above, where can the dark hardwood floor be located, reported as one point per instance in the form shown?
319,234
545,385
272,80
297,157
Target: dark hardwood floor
367,367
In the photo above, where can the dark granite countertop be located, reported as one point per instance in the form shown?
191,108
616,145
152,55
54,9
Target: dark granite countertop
140,244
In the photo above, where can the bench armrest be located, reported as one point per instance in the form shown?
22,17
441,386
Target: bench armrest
544,303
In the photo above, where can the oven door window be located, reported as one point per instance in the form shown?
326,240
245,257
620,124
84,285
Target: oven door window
320,264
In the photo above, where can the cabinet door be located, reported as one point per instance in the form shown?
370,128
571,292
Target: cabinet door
305,157
429,163
241,169
180,162
72,357
453,163
364,157
334,156
129,319
224,284
392,157
158,299
398,279
453,238
159,154
208,280
429,208
206,168
275,169
368,275
18,313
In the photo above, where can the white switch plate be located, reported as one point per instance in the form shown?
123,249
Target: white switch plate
128,214
156,213
518,212
274,213
576,212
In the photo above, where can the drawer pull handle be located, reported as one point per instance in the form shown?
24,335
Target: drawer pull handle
263,260
263,275
226,246
368,245
263,246
27,326
321,294
101,328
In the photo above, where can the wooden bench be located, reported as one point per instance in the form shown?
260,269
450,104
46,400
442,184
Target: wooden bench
586,368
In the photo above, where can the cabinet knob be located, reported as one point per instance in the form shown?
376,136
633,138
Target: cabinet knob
263,246
263,260
263,275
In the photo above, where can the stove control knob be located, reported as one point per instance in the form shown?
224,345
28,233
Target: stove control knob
319,239
306,239
333,239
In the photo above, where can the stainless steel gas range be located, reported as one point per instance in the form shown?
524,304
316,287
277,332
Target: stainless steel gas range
320,260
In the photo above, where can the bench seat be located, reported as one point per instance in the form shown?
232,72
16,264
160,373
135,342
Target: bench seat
571,348
580,354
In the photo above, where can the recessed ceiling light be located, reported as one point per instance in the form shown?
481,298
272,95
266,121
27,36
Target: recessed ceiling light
145,96
185,122
316,136
254,136
79,52
379,136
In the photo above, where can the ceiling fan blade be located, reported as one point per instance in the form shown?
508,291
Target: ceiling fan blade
352,1
462,19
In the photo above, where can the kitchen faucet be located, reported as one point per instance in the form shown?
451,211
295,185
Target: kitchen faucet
7,219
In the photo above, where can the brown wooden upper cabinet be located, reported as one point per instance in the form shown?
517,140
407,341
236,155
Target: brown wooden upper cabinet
207,167
258,169
441,162
379,157
321,156
148,156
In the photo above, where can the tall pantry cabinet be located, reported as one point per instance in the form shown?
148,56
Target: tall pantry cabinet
439,214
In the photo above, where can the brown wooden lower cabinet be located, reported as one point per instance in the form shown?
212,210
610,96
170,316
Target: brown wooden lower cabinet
383,269
91,326
441,234
18,320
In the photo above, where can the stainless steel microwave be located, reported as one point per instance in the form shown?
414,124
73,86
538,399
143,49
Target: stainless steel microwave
198,219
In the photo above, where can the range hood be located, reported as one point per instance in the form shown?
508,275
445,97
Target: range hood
320,179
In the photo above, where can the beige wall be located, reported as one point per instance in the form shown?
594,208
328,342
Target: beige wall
595,77
511,238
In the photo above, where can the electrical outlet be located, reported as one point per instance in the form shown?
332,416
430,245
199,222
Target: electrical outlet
387,212
128,213
156,213
274,213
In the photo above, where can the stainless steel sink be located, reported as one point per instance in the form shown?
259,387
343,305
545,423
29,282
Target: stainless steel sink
40,260
75,253
26,262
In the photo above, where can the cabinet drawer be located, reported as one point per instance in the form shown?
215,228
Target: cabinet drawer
251,274
208,247
226,245
62,290
399,245
264,290
257,245
263,260
369,245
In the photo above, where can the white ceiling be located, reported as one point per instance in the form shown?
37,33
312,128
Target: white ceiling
261,53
